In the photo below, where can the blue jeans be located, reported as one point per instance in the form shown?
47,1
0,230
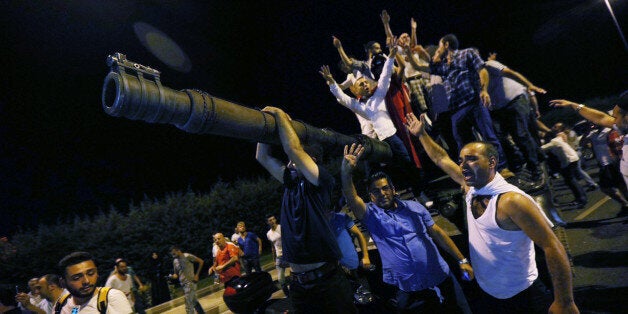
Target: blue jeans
475,115
513,120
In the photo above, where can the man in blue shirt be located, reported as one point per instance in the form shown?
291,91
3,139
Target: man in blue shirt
251,245
405,235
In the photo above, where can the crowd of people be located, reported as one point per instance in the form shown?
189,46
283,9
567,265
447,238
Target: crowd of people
476,120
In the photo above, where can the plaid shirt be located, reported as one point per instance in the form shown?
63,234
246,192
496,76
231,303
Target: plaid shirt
460,77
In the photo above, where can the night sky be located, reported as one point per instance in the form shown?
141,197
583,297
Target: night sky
61,155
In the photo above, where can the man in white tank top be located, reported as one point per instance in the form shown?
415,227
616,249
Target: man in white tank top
503,224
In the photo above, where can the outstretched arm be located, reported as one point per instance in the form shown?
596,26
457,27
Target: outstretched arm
516,76
292,145
593,115
527,216
436,153
366,261
272,164
349,162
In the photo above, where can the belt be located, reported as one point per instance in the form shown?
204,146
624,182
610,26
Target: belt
316,273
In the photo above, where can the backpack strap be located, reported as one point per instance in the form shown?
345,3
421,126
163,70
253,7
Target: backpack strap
61,302
103,298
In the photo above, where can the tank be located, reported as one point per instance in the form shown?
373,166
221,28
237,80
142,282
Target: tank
135,92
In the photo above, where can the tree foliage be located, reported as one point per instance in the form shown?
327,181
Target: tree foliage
188,219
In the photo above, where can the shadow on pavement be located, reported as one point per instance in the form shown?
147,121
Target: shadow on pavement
602,259
600,299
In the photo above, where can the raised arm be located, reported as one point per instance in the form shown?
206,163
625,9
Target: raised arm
366,261
386,21
413,38
341,51
349,162
527,216
436,153
292,145
414,61
272,164
593,115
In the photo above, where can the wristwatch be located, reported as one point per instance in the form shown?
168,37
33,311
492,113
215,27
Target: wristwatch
463,261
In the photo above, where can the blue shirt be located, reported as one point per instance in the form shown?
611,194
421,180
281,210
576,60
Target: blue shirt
410,259
341,224
460,77
249,246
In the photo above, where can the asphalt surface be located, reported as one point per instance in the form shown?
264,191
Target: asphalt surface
597,242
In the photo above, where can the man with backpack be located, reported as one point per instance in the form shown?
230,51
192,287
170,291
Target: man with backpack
79,275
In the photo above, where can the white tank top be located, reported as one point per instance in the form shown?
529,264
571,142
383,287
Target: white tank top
503,261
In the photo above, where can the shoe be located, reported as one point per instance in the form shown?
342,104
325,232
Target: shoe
581,205
526,186
506,173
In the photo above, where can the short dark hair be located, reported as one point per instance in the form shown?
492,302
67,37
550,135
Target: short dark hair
73,259
380,175
270,215
452,40
175,247
52,279
369,45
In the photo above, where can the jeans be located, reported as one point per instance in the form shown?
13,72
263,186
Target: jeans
250,263
191,303
475,115
428,300
569,173
513,119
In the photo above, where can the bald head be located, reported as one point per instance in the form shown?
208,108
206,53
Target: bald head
220,240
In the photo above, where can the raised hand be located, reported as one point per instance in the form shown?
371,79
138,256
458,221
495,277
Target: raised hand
336,42
412,23
385,17
391,42
326,74
351,156
414,125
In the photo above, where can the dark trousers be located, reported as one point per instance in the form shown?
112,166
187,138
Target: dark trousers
250,263
570,176
475,115
329,294
534,299
428,301
513,120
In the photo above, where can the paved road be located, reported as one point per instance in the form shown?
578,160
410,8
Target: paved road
597,241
